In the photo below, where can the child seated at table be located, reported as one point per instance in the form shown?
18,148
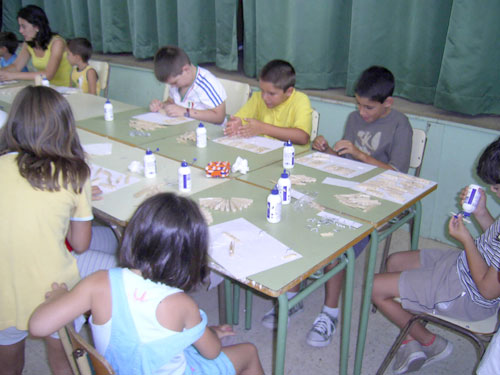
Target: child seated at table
460,284
194,91
277,110
8,48
142,321
83,76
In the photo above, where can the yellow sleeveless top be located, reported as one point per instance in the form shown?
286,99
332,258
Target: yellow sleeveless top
77,76
61,78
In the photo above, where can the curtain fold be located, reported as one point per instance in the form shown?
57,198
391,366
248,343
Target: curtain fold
443,52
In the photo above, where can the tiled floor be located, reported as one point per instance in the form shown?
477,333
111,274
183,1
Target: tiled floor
301,358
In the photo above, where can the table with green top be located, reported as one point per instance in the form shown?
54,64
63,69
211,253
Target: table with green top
379,217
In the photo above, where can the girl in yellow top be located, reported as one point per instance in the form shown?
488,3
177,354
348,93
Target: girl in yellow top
44,198
83,75
46,50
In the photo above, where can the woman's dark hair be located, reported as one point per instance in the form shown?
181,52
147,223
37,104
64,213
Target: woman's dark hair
167,240
488,167
37,17
41,129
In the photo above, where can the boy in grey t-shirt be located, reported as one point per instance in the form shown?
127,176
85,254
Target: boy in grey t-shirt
375,134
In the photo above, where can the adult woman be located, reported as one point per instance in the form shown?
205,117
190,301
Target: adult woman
46,50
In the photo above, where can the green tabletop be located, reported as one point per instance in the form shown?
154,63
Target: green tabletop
121,203
214,151
292,231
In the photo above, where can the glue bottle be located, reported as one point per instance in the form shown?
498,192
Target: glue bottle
108,111
45,81
201,136
184,174
288,155
471,200
149,164
274,206
285,188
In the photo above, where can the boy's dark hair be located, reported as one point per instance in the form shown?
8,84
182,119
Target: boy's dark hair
167,240
488,167
37,17
169,61
9,41
375,83
280,73
81,47
41,129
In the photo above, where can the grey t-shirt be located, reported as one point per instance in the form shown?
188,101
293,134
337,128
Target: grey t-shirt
387,139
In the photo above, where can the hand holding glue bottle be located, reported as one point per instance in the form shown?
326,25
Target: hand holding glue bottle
471,200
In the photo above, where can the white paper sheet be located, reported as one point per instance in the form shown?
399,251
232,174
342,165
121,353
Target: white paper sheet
340,220
334,164
161,119
4,83
98,148
339,182
259,145
395,186
109,180
63,90
254,250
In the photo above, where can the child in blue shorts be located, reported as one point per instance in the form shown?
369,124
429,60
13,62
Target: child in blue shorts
460,284
142,321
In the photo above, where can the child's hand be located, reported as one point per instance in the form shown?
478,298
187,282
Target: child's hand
96,193
232,126
5,76
223,330
174,110
343,147
155,105
320,144
57,290
457,229
251,129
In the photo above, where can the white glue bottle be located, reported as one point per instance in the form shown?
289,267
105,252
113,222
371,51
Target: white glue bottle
45,81
108,111
201,136
288,155
285,188
274,206
471,200
149,164
184,173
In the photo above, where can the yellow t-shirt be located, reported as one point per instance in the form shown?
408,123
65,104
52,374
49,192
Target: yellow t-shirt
295,112
76,76
61,78
33,227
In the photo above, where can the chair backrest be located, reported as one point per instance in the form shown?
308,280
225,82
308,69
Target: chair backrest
419,141
83,358
315,124
102,69
237,94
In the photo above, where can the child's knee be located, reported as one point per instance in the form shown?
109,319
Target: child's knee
392,262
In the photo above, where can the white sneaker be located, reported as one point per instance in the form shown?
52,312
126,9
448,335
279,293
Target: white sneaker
270,319
440,349
322,330
410,357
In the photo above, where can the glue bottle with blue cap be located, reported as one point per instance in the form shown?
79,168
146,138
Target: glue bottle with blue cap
288,155
184,175
201,136
108,111
149,164
471,200
274,206
285,187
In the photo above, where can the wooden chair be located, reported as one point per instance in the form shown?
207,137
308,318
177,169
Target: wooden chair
479,332
83,358
102,69
315,125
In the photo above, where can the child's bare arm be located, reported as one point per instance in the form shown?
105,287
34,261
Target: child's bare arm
63,306
92,81
214,115
255,127
79,235
485,277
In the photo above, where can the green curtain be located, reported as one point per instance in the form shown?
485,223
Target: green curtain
442,52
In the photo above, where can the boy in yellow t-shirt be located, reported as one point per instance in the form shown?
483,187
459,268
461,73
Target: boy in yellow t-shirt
277,111
83,75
